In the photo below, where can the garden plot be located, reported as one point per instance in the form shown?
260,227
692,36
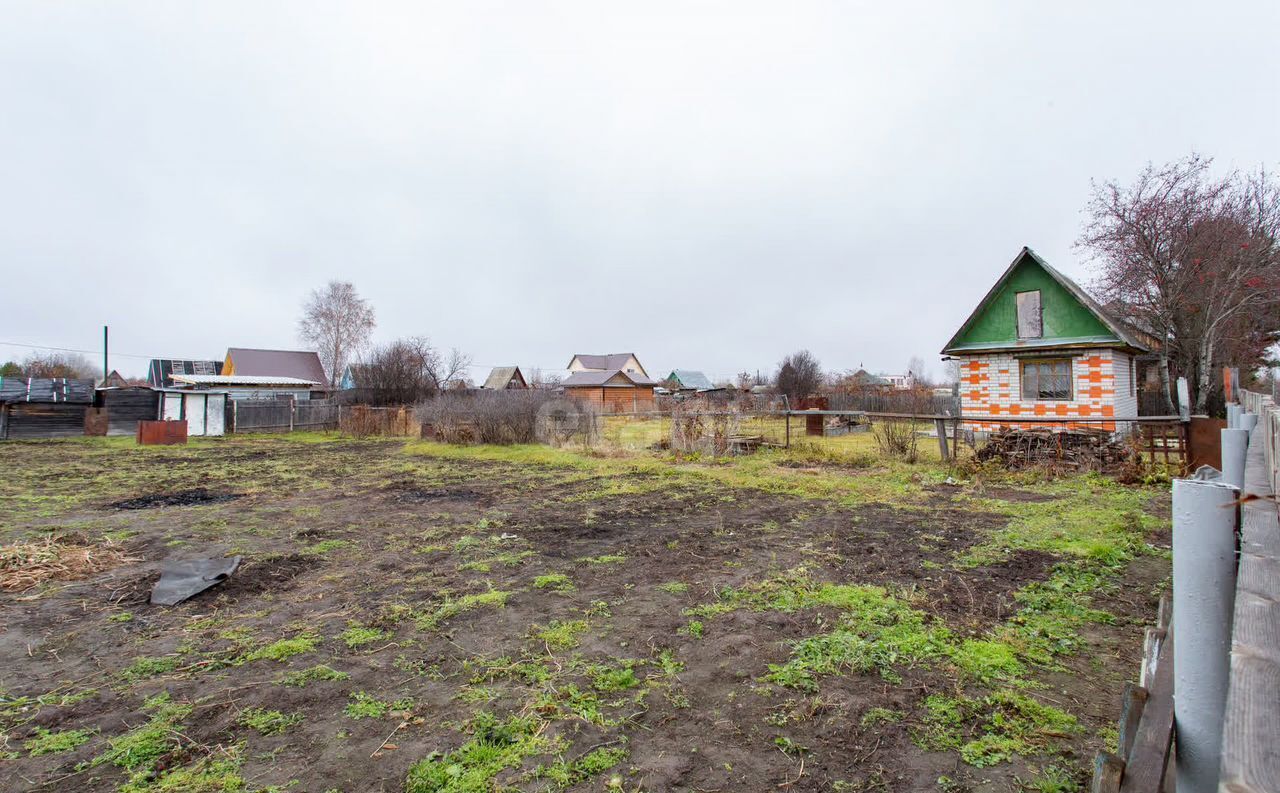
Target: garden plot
425,617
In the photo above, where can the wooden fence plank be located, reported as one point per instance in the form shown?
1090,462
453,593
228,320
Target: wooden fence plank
1251,729
1107,771
1144,772
1135,701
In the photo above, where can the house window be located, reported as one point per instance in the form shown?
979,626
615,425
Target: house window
1047,379
1030,324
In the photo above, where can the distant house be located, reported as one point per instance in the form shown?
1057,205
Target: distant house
862,380
161,370
689,380
294,365
354,375
113,380
1039,345
504,377
614,383
616,361
900,382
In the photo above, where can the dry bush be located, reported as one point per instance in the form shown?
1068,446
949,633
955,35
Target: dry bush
897,438
703,426
24,565
506,417
362,421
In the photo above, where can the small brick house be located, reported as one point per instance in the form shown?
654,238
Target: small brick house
1039,345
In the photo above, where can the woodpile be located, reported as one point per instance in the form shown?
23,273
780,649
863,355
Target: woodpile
1081,449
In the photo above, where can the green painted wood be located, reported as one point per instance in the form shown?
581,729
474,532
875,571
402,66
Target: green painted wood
1065,317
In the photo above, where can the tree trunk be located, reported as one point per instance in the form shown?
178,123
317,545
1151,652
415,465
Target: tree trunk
1204,374
1163,370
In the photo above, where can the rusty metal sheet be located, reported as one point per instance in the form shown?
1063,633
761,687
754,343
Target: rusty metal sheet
162,433
1204,442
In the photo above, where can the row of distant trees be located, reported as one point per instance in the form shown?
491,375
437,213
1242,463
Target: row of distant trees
52,364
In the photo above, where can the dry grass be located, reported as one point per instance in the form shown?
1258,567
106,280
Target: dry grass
25,565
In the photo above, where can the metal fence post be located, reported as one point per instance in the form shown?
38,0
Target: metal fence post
1204,565
1235,447
1233,412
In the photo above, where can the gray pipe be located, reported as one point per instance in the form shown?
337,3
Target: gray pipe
1204,566
1235,446
1247,421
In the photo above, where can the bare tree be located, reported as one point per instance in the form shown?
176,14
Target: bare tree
409,370
799,375
1192,260
916,374
337,323
59,364
540,379
951,371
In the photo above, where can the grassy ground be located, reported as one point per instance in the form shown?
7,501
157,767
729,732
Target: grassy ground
421,617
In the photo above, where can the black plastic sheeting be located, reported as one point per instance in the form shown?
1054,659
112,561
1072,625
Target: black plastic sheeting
180,580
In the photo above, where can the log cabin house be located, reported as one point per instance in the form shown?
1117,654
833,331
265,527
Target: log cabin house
614,383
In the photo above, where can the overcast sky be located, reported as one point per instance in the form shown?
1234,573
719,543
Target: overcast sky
708,185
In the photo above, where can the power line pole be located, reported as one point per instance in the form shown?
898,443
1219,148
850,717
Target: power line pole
105,371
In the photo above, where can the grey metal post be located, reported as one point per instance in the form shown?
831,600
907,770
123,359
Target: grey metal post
1204,565
1247,421
1233,411
1235,445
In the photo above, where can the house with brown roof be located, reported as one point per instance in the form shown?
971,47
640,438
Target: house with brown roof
295,365
613,383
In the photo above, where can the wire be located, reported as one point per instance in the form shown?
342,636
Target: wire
113,353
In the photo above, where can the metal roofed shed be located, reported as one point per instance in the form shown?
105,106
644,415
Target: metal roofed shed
241,387
204,410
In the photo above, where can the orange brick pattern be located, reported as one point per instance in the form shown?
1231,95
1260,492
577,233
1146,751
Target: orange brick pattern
990,385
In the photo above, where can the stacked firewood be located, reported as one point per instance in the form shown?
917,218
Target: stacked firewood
1081,449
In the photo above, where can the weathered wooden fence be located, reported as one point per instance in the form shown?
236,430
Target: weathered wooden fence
1251,732
281,415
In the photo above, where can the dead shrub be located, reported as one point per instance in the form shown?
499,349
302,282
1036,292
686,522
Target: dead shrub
704,427
363,421
897,438
24,565
504,417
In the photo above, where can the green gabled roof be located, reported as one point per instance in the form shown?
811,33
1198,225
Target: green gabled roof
1071,316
